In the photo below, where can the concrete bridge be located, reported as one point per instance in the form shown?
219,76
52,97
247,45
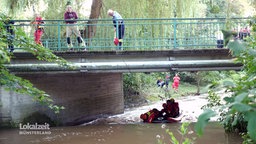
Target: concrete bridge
95,87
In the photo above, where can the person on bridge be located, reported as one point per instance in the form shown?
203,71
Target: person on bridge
176,82
246,32
10,31
220,40
119,28
39,30
70,18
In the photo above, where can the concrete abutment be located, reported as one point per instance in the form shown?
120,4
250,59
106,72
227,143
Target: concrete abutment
85,96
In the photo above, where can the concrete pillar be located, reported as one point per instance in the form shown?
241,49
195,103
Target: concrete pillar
14,107
85,96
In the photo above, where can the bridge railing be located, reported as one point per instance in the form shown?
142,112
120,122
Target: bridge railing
140,34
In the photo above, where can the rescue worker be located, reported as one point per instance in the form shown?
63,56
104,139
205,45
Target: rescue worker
164,111
151,115
170,109
38,22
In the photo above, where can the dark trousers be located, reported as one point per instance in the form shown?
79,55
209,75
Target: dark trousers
10,43
220,44
121,30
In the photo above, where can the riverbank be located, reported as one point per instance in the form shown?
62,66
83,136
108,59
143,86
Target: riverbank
190,107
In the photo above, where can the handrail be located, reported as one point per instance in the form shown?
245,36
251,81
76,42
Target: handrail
140,34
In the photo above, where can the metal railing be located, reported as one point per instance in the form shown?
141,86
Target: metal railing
140,34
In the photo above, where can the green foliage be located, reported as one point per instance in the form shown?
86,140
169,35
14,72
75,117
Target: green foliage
241,106
184,131
247,139
156,9
213,100
215,9
228,35
13,83
203,120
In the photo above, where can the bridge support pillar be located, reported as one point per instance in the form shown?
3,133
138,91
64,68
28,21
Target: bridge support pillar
85,96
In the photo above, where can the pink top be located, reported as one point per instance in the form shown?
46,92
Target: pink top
176,79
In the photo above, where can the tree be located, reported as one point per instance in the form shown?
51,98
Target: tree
90,30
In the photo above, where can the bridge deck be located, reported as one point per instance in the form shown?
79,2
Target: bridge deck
131,61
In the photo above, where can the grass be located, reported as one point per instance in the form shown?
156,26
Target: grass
157,93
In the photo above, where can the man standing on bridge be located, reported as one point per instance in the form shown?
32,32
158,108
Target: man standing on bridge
71,17
118,27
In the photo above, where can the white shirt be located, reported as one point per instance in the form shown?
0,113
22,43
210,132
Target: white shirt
219,35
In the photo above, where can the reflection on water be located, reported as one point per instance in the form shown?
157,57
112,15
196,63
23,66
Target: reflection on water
139,133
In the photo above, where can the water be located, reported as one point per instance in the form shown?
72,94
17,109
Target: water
127,128
117,134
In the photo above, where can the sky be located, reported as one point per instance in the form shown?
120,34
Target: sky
86,8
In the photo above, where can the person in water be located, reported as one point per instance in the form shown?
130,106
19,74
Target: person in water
170,110
151,115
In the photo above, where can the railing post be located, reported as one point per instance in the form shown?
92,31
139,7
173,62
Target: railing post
59,38
174,32
46,44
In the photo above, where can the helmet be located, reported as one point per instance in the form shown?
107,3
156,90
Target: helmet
143,116
172,100
116,41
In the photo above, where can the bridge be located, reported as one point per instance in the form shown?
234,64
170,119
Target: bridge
130,61
140,34
94,88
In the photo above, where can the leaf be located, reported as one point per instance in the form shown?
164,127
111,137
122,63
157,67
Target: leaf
228,35
203,120
228,84
252,52
252,78
251,127
240,107
229,99
184,128
236,47
173,138
240,97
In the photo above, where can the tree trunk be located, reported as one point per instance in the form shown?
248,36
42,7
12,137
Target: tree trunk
198,79
90,29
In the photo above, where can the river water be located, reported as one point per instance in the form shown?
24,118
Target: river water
126,128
